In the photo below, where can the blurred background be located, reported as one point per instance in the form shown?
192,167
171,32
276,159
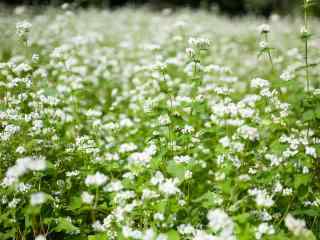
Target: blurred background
231,7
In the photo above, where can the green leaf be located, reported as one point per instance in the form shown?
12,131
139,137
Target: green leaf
100,236
64,225
76,203
177,170
173,235
301,180
308,115
312,212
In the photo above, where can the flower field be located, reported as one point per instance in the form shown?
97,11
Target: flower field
133,124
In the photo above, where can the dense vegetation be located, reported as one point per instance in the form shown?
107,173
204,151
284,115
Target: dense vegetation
261,7
133,124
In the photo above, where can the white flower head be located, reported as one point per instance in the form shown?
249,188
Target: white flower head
40,237
296,226
87,197
38,198
97,179
264,28
22,28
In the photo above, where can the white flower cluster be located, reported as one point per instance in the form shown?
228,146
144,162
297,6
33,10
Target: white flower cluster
296,226
23,166
221,223
98,179
23,28
262,198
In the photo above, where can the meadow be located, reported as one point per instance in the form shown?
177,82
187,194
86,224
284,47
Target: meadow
173,125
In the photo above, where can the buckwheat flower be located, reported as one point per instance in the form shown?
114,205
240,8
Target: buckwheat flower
149,234
87,197
248,132
130,233
296,226
263,199
169,187
22,28
187,129
278,187
40,237
259,83
190,52
127,147
263,44
286,76
287,192
158,216
264,28
162,236
186,229
148,194
225,141
14,203
187,175
202,235
157,178
264,229
139,158
35,58
38,198
220,222
201,43
20,150
164,120
114,186
311,151
182,159
72,173
97,179
37,164
98,227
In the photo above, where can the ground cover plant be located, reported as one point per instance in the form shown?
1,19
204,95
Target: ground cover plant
133,124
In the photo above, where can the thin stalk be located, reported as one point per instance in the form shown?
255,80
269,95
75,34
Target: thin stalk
268,52
306,24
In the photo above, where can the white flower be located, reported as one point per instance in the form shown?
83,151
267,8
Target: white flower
158,216
220,222
38,198
22,28
259,83
187,175
225,141
87,197
248,132
97,179
264,229
263,44
296,226
311,151
264,28
40,237
168,187
98,226
157,178
182,159
262,198
202,235
190,52
186,229
287,76
164,120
